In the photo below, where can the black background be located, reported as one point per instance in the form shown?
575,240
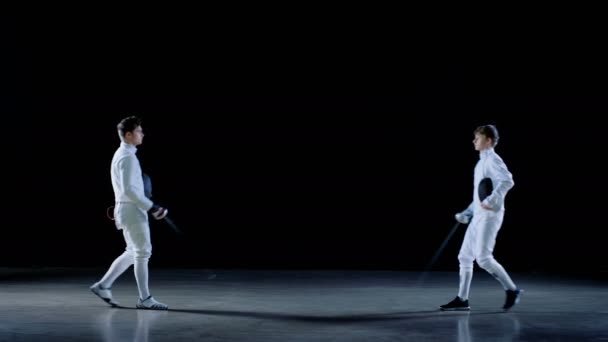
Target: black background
298,150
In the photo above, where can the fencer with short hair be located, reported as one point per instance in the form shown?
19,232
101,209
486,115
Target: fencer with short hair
485,217
131,216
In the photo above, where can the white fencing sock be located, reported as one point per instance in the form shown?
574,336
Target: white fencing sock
496,270
118,267
466,275
141,276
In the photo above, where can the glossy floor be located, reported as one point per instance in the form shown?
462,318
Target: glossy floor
274,305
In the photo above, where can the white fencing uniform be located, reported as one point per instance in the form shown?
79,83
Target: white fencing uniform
480,237
131,215
132,205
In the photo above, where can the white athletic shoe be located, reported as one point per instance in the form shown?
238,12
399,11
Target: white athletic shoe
104,294
151,304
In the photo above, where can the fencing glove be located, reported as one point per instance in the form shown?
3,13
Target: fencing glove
463,218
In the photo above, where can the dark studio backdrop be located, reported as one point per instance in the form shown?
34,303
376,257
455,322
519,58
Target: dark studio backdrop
293,162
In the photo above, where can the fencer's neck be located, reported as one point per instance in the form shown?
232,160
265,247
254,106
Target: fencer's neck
128,147
485,152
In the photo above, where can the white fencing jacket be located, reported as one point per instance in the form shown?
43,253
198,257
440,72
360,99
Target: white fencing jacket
492,166
132,204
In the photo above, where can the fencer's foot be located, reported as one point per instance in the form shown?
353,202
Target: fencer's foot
513,297
104,294
456,305
151,304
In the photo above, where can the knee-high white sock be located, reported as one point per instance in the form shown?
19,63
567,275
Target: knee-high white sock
118,267
466,275
501,275
141,276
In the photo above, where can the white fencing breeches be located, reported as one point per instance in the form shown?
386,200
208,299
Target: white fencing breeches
138,252
478,245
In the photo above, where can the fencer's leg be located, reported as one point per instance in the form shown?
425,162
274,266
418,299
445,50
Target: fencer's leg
118,267
466,257
461,302
139,240
142,248
513,293
491,266
103,288
141,276
485,259
485,250
466,275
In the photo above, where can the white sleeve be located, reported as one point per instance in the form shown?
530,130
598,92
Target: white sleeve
127,168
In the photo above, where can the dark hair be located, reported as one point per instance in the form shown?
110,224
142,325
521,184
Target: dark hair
128,124
489,131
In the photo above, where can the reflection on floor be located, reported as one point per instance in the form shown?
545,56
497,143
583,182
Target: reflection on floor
255,305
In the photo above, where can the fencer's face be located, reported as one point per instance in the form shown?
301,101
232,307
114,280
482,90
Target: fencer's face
481,142
135,137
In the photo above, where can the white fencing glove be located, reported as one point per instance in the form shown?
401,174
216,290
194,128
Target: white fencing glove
462,218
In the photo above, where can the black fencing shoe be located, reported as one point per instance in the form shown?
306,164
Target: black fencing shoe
456,305
513,297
